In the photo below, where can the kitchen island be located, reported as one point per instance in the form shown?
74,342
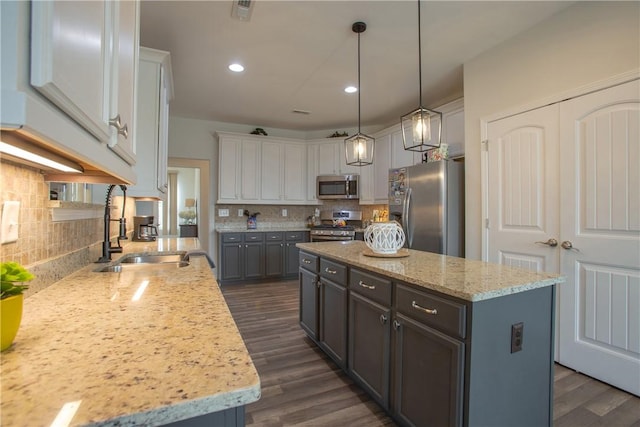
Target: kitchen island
435,340
145,346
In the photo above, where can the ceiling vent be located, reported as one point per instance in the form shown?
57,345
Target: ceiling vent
242,9
296,111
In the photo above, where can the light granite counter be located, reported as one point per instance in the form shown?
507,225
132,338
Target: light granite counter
262,227
459,277
87,342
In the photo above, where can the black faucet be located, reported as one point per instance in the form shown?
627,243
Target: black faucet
107,249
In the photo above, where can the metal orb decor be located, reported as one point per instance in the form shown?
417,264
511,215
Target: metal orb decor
384,237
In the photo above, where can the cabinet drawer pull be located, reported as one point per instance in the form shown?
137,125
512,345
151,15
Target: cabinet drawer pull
306,261
396,325
364,285
328,270
426,310
383,318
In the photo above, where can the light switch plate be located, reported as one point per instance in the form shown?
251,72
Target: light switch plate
284,212
223,212
240,212
9,226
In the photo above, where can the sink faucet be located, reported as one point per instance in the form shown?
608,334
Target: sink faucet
107,249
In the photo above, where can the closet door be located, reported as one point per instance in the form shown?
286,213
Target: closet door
599,316
523,195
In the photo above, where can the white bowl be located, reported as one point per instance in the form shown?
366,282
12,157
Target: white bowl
384,237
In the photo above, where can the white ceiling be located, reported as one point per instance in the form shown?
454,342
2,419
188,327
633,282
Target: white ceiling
302,54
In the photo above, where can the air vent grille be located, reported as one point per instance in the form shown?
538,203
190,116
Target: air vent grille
301,112
242,9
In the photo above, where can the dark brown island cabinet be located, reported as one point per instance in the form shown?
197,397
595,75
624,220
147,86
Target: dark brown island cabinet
255,255
431,359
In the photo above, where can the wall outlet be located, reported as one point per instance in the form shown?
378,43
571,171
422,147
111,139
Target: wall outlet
284,212
240,212
223,212
517,330
9,227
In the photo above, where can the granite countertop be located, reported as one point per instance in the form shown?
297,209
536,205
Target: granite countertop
262,227
85,341
459,277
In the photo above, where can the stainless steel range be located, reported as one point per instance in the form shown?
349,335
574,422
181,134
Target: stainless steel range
336,226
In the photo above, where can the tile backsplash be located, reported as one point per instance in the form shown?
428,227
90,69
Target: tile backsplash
49,249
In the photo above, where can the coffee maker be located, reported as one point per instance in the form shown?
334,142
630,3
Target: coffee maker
143,229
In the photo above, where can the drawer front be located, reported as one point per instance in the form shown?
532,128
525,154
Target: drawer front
273,236
439,313
253,237
231,237
308,261
373,287
333,271
295,236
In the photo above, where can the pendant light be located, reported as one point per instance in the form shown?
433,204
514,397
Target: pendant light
359,147
417,133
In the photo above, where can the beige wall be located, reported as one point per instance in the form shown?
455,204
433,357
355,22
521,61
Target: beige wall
585,43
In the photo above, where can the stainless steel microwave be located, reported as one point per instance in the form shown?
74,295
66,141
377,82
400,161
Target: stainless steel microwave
337,187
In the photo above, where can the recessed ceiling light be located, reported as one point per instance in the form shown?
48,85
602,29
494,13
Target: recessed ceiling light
351,89
237,68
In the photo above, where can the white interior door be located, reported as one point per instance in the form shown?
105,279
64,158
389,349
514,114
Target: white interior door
523,190
599,320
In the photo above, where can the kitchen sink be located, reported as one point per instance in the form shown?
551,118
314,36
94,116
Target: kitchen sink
147,261
154,258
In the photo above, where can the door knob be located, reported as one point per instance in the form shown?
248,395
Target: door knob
568,246
551,242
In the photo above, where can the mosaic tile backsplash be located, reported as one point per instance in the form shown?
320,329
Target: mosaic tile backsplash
50,250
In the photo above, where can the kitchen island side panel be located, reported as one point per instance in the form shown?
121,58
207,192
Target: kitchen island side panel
505,388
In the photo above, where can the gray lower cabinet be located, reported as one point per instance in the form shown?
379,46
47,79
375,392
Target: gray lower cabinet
427,358
369,337
332,308
274,254
241,256
251,256
428,374
309,302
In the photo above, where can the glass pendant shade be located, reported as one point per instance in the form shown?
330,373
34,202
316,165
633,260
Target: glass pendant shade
421,129
359,149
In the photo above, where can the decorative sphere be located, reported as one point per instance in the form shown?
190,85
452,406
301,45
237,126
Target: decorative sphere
384,237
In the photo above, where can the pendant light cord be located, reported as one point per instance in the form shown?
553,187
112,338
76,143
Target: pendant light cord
358,82
419,57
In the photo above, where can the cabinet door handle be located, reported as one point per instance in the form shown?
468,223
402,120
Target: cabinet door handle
383,318
124,131
239,246
306,261
396,325
364,285
426,310
328,270
116,122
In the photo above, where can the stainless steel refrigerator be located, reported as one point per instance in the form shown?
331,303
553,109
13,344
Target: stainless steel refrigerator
428,200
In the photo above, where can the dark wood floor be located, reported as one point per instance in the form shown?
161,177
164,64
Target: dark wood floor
301,386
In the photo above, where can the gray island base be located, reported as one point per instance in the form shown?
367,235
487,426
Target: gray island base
435,340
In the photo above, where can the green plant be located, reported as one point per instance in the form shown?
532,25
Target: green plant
12,273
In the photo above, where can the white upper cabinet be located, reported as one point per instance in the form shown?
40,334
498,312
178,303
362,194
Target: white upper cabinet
257,169
229,169
295,178
332,158
71,60
63,79
123,80
155,91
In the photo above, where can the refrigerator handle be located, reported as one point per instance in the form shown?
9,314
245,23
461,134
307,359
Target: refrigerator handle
405,216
